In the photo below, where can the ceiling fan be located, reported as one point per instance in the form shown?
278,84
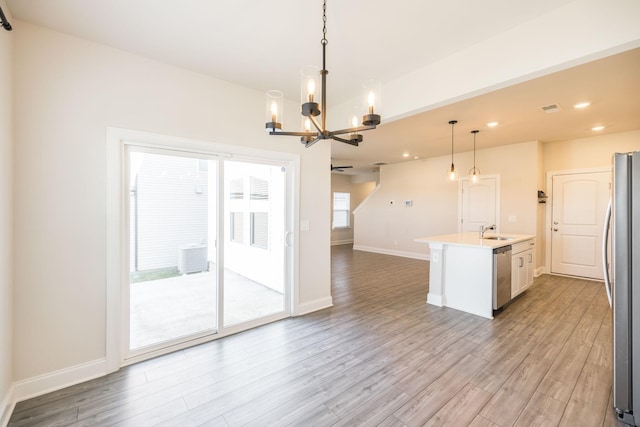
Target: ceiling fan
339,168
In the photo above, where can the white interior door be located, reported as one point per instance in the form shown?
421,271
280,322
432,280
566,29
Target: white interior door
579,202
478,203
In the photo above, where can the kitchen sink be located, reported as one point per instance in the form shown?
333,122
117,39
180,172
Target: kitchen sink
498,238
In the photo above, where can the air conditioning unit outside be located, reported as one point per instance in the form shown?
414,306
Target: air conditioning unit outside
192,259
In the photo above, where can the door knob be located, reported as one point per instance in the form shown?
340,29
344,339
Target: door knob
555,229
555,222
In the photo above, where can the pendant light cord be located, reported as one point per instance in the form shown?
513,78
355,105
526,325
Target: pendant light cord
474,171
452,143
474,150
452,123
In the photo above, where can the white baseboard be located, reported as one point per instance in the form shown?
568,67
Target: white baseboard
314,305
384,251
437,300
539,271
52,381
341,242
6,406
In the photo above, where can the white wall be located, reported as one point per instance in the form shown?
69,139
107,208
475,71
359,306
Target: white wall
387,228
358,192
6,213
67,92
391,228
594,152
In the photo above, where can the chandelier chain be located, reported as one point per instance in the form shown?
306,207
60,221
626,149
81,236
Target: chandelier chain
324,23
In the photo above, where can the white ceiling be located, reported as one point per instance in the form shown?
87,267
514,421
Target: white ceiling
263,45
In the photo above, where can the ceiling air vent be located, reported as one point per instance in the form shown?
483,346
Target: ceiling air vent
379,163
551,108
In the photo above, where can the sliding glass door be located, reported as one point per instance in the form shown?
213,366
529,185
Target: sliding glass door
207,252
172,253
254,250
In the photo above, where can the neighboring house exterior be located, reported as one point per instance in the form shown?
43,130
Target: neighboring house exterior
168,210
172,224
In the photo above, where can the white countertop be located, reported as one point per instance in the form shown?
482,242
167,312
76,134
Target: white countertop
473,240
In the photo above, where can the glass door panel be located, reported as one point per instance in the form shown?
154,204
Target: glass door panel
254,247
172,237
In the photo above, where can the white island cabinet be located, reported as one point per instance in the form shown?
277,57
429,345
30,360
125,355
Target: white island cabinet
461,269
522,266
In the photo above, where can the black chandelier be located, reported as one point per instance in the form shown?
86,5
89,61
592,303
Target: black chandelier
311,110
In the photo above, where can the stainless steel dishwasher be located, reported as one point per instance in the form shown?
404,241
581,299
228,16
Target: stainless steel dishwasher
501,276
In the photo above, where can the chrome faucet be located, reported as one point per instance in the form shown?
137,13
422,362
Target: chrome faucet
483,229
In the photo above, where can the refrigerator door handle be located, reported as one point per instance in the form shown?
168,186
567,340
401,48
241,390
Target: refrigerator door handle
605,251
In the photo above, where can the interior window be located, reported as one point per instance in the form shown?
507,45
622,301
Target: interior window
341,210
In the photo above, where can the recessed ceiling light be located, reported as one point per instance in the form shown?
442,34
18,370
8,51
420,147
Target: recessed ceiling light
580,105
597,128
492,124
415,157
405,154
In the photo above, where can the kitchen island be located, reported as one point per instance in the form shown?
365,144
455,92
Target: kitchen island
461,269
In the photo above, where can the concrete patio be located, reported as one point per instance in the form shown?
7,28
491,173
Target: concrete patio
170,308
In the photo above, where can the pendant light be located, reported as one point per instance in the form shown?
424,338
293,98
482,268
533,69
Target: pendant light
452,171
474,172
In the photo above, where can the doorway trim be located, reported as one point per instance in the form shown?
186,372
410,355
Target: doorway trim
116,227
548,210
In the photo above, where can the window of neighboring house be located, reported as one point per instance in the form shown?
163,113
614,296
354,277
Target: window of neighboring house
203,165
341,210
259,189
236,227
260,229
236,189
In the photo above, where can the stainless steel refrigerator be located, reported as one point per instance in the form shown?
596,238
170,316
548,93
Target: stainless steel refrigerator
623,283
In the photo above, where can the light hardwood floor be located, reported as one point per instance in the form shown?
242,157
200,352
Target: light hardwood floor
380,356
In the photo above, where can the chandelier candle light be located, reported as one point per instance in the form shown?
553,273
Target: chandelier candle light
474,172
311,110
